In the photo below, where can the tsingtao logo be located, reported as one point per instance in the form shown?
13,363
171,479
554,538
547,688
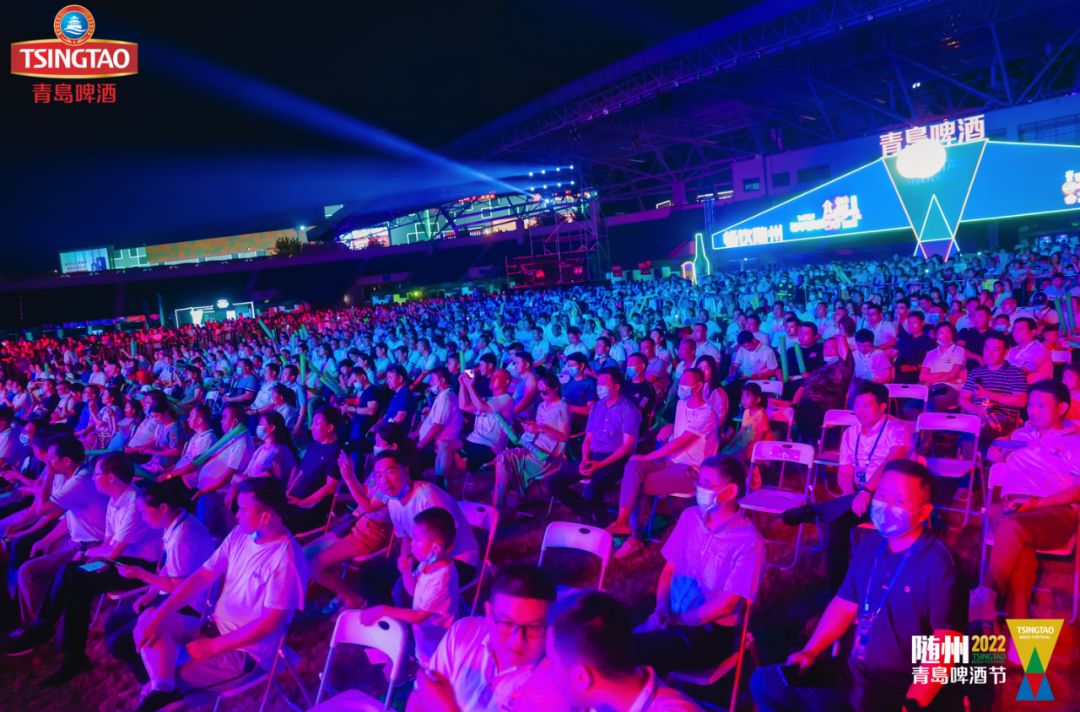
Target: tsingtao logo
74,54
74,25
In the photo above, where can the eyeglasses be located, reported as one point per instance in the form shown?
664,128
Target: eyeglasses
510,628
543,392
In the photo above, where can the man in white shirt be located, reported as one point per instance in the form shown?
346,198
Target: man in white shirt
714,562
871,363
754,359
443,421
68,494
183,477
590,644
496,662
265,576
753,325
92,573
704,347
864,450
1040,491
671,469
488,438
1030,355
884,331
217,473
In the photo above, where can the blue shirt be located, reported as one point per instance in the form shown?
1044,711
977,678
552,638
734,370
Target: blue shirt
608,424
403,400
579,393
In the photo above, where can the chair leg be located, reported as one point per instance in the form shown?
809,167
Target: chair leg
97,610
652,514
299,682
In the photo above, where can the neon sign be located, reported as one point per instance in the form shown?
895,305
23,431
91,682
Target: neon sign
1071,187
837,214
947,133
747,236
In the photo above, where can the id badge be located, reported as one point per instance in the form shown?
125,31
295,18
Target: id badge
860,478
862,636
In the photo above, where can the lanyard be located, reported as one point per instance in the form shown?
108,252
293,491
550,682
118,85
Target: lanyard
870,581
858,437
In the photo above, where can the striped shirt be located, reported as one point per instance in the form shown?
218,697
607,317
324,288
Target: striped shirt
1007,379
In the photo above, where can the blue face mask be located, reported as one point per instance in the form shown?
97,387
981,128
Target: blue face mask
602,392
891,521
24,439
260,432
933,318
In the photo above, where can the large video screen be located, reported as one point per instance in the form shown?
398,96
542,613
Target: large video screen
92,260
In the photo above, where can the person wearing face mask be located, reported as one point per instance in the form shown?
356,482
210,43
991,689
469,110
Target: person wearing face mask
714,562
217,472
244,386
864,451
943,371
610,436
433,584
642,394
265,577
671,469
1030,354
183,478
127,539
903,585
442,423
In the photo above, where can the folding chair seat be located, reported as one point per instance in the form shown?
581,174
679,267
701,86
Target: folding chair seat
567,535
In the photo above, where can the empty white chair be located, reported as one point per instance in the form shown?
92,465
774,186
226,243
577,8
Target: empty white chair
486,517
949,466
776,500
567,535
1061,357
831,458
907,391
386,635
997,479
770,387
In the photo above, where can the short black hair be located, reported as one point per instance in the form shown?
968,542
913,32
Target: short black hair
7,415
730,468
1057,389
157,493
864,336
745,337
442,372
616,375
994,336
331,415
268,491
69,446
1024,320
753,388
119,465
919,471
441,522
524,581
878,390
594,628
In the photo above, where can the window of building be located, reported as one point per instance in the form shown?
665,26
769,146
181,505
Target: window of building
812,174
750,184
779,180
1001,134
1065,129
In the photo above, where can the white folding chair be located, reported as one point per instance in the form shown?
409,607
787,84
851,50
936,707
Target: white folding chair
115,596
710,676
776,500
486,517
259,676
954,467
997,479
566,535
1064,357
781,414
907,391
386,635
831,458
357,560
329,518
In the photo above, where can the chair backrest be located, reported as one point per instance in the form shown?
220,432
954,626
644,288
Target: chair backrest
771,387
838,419
996,478
908,390
481,516
769,450
1061,357
579,536
780,414
955,422
386,635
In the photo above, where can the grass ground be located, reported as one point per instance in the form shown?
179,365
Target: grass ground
785,615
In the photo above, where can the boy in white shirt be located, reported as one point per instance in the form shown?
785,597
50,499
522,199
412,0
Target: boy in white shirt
433,586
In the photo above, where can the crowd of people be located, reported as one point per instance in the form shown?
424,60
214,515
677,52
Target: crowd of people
199,472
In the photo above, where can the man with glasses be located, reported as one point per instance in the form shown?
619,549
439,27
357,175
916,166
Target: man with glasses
495,663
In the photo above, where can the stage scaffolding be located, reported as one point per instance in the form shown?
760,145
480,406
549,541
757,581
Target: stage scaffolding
572,250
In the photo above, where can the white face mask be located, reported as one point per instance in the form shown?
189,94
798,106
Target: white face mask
710,500
832,359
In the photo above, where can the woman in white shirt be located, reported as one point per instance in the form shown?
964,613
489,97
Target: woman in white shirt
277,456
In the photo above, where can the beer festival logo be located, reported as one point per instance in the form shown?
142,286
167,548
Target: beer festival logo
74,55
980,659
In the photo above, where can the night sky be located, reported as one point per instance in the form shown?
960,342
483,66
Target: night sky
174,160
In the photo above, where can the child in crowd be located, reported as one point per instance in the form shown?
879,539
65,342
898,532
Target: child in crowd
433,586
1071,379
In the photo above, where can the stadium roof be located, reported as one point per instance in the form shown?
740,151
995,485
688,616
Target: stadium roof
786,74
